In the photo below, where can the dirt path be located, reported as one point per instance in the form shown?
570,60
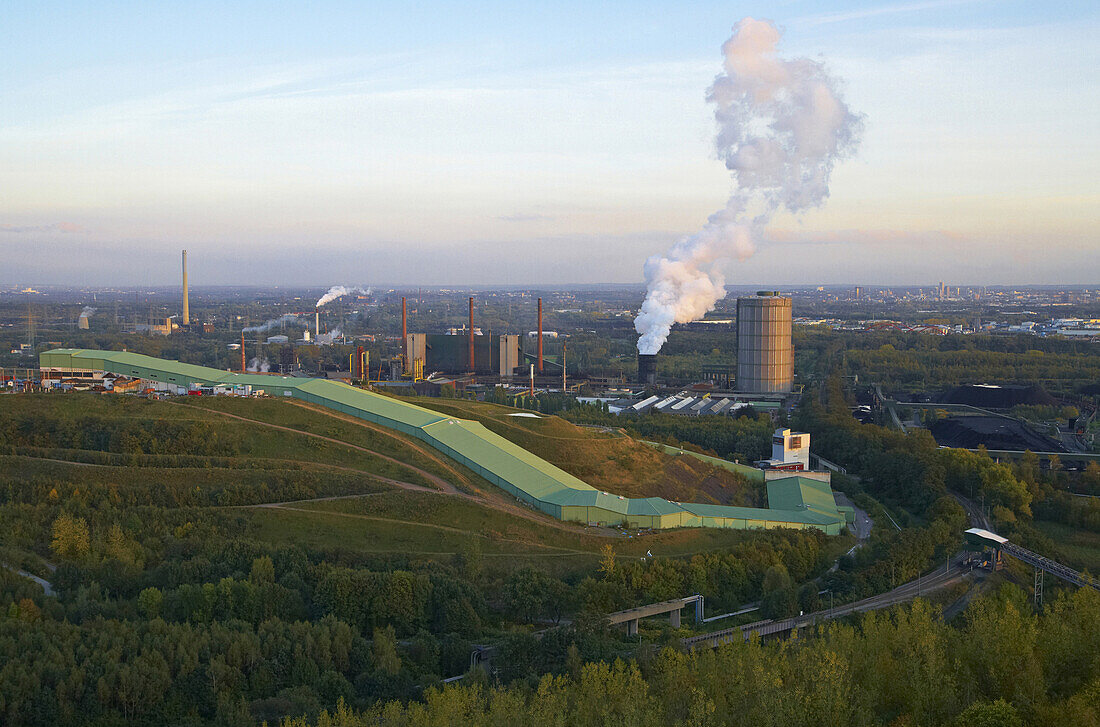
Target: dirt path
492,500
488,499
416,447
433,526
442,484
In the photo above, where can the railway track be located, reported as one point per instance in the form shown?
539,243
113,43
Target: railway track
952,572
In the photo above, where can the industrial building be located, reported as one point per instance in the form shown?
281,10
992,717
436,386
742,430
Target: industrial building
765,362
451,354
790,451
797,502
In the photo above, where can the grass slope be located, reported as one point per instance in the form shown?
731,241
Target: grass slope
1080,548
438,526
609,461
84,445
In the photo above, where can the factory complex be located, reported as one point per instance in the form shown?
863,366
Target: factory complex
797,501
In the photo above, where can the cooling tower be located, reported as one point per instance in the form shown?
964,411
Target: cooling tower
765,364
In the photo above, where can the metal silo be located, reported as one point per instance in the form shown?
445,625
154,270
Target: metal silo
765,364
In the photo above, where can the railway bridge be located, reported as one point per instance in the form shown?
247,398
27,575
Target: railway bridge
980,539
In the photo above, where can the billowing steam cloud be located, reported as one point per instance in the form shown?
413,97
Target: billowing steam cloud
259,365
87,312
291,318
782,125
339,291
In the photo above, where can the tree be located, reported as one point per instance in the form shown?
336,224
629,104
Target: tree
776,578
118,546
989,714
263,571
150,601
468,559
607,560
383,651
70,537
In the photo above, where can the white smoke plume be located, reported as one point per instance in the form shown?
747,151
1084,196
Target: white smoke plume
87,312
291,318
259,365
782,125
331,337
339,291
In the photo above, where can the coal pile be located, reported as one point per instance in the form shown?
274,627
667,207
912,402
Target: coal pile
988,396
993,432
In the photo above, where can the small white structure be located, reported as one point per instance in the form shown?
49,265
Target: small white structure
790,451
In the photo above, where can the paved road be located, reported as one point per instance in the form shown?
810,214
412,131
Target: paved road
863,523
46,585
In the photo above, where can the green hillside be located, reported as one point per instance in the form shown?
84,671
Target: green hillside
610,461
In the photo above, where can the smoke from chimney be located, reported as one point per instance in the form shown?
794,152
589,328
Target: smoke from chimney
291,318
339,291
782,125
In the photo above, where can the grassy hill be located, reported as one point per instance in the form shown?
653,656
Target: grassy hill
287,473
611,461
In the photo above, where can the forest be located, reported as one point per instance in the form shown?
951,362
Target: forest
1001,666
176,601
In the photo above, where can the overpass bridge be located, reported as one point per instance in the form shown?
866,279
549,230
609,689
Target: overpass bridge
631,616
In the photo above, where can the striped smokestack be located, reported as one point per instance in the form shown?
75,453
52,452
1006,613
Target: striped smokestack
540,335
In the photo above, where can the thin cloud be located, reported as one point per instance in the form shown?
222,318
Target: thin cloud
842,17
66,227
862,237
529,217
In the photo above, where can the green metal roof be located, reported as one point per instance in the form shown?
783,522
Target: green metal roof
794,500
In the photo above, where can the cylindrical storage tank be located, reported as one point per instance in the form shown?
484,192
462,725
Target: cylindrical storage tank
765,364
647,369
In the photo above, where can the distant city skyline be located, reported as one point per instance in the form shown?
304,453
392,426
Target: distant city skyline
498,144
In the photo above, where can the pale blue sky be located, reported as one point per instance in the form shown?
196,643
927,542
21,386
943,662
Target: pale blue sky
486,143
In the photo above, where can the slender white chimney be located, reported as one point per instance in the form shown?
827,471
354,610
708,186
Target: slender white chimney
317,323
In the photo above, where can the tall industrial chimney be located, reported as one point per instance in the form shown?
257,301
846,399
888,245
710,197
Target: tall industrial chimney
540,336
647,369
316,324
186,308
243,367
471,333
404,330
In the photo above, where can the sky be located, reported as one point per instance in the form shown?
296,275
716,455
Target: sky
439,143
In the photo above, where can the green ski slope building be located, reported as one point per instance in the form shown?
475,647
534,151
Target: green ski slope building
797,502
